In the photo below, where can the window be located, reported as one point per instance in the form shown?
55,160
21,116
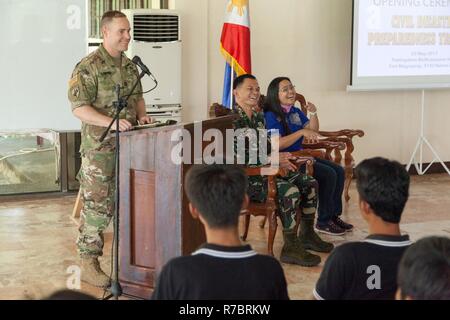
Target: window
29,162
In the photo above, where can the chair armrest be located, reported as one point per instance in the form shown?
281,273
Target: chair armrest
349,133
329,145
345,136
309,153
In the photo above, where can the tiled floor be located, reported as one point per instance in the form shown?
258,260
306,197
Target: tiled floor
37,239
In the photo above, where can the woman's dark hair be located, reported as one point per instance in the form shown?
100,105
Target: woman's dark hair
272,102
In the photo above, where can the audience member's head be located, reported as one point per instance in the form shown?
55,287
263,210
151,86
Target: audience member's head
424,271
217,193
246,91
383,187
69,295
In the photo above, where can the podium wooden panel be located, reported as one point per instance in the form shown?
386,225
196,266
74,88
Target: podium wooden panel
155,224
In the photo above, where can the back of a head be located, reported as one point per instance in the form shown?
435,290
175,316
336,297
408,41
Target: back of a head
424,271
218,192
384,185
66,294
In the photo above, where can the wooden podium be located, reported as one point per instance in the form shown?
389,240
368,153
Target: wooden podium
155,224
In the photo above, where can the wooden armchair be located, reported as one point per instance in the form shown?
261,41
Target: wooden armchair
344,136
269,208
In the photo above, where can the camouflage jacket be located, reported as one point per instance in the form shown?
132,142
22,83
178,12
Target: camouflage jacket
92,83
254,130
257,185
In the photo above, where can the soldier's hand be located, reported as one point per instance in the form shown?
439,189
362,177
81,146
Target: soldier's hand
286,161
145,120
124,125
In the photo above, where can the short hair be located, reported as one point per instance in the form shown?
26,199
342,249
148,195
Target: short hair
108,16
218,192
384,185
240,80
424,270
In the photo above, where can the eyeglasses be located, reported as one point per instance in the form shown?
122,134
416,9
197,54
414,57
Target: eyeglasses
287,89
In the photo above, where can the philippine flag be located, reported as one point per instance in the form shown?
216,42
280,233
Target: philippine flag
235,45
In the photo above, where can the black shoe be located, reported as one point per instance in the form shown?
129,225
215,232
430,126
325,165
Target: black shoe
344,225
330,228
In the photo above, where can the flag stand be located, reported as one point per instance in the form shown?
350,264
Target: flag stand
231,85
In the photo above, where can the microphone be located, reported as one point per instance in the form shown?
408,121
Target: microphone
137,61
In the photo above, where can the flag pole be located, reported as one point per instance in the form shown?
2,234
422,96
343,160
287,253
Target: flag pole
231,85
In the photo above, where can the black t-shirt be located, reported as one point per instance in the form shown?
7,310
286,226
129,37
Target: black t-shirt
365,270
222,273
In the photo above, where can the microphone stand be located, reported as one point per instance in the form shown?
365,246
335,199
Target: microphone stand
119,104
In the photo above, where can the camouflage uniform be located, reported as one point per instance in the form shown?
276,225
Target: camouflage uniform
293,191
92,83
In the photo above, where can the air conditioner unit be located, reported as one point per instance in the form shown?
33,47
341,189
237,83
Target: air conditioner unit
155,38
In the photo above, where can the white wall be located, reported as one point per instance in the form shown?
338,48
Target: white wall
309,41
195,38
41,43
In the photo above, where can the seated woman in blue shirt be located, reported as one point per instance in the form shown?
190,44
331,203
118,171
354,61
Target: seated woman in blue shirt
293,126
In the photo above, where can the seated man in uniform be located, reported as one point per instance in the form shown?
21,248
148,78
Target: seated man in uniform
222,268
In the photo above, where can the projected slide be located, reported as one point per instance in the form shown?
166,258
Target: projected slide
403,38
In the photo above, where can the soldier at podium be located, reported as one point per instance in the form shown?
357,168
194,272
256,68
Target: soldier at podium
91,93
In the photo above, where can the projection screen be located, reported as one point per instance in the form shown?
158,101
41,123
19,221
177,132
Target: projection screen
400,44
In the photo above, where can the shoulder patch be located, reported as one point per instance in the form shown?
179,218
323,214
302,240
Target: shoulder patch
73,81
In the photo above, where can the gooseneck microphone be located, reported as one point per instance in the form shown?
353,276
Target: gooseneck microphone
137,61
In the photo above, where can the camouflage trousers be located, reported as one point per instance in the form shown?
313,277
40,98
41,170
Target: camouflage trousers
96,178
294,191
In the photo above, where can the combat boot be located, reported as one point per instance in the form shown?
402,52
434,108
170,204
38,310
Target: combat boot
293,251
93,274
309,238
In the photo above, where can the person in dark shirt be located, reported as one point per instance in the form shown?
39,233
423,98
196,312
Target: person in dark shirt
222,268
424,271
368,269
